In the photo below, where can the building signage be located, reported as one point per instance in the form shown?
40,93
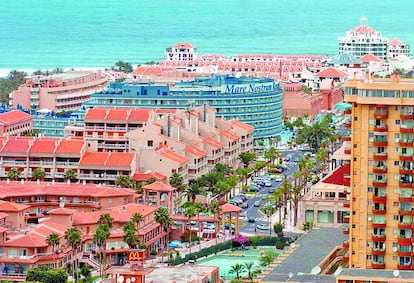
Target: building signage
249,88
136,256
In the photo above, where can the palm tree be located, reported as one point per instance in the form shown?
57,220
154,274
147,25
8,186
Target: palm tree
130,236
53,240
100,237
232,181
249,266
137,218
13,174
106,219
189,213
38,174
243,174
246,158
222,187
199,208
125,181
222,168
69,174
74,239
278,228
177,182
237,268
194,189
162,217
214,209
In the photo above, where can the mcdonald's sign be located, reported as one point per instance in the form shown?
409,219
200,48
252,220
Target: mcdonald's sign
136,256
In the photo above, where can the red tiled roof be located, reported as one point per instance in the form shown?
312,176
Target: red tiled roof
14,116
183,45
83,218
242,125
141,115
15,189
159,187
95,114
20,145
117,115
213,142
12,206
195,151
70,146
364,30
337,176
230,135
94,158
29,240
140,177
396,42
331,73
370,58
230,208
107,159
173,156
120,159
132,208
43,146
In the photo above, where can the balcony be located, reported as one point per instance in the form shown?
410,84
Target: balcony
381,114
347,204
347,190
406,129
404,267
404,240
379,211
379,199
381,128
377,265
345,231
404,212
404,252
406,143
347,123
380,156
403,225
346,219
347,151
379,183
347,138
379,225
407,116
378,251
406,157
405,198
345,245
380,170
347,111
346,258
405,170
378,237
380,142
406,184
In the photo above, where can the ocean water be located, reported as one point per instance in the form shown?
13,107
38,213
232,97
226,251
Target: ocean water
40,34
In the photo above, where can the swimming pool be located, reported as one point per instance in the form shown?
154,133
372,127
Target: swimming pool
228,258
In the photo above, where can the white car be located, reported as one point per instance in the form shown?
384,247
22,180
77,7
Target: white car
279,179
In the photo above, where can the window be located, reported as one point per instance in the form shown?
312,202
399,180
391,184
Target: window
370,189
397,163
396,149
150,143
369,203
355,118
395,217
355,145
397,122
369,257
355,159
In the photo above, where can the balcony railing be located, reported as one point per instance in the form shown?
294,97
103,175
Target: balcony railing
380,169
378,251
381,128
377,265
379,199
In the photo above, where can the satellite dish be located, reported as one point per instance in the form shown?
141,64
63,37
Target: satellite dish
338,271
290,275
316,270
395,249
61,204
301,273
396,273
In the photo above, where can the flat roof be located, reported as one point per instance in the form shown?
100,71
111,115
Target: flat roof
375,273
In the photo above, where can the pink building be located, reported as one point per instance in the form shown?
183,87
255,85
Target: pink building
60,92
15,123
297,103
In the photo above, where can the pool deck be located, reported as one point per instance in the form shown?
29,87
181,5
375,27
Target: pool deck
308,252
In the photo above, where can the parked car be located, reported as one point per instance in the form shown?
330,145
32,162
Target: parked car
253,188
263,226
242,197
257,203
268,183
279,178
244,205
252,219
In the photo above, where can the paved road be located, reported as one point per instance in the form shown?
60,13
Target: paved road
253,212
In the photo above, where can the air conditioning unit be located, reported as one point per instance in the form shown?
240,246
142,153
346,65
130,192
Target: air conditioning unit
397,140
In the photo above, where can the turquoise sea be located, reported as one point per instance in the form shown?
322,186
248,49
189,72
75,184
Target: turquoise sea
97,33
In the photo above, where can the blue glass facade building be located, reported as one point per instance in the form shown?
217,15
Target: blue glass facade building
255,101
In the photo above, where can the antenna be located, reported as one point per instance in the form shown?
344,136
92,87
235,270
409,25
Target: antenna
316,270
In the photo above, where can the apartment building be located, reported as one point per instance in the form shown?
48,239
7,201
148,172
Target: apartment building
15,123
381,186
